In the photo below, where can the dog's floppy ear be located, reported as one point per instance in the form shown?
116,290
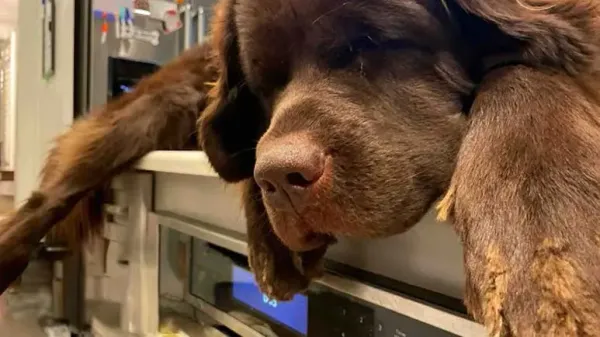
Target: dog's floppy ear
559,33
233,123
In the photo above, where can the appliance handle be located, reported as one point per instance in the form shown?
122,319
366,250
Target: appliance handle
201,21
187,26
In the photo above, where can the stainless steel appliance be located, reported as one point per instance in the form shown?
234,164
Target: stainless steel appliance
106,64
406,285
203,271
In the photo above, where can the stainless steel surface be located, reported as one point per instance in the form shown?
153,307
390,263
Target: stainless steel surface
57,290
221,237
223,317
140,307
173,283
428,255
187,26
83,18
57,249
73,290
139,312
191,327
69,282
424,313
118,210
106,322
201,11
168,49
235,242
201,22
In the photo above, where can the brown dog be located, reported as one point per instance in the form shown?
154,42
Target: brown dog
347,118
352,126
159,114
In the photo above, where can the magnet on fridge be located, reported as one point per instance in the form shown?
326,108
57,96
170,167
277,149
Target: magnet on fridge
128,17
103,29
171,21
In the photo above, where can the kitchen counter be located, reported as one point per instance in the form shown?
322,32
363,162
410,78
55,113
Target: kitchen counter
170,185
179,162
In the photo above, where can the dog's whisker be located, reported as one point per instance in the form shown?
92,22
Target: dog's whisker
331,11
241,152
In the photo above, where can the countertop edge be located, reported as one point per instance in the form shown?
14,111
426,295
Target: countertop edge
179,162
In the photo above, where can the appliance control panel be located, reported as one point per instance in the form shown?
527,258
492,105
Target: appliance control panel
124,74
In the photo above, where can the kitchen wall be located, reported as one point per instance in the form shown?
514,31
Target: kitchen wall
44,107
8,14
8,24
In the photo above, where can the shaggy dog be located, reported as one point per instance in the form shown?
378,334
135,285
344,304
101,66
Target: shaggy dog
350,117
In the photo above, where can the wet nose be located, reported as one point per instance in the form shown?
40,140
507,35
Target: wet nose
286,170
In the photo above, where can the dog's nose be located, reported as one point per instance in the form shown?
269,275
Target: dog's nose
286,170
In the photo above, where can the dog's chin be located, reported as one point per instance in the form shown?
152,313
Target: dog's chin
297,233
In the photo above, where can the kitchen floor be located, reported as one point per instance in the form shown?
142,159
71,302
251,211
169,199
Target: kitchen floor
21,328
22,306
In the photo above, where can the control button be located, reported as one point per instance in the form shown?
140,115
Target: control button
379,328
398,333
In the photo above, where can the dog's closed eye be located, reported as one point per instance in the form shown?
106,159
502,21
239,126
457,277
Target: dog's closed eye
344,56
347,55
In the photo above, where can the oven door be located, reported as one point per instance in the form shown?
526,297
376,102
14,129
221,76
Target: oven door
204,273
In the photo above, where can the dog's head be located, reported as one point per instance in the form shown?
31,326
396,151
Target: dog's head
349,113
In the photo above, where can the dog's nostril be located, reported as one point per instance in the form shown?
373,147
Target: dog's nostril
297,179
268,187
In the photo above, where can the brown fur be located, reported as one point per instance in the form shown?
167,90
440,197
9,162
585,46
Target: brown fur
160,114
530,186
380,85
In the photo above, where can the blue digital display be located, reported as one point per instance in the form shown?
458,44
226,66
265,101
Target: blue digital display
293,314
125,88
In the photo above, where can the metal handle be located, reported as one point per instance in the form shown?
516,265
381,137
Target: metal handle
116,210
187,26
201,19
52,252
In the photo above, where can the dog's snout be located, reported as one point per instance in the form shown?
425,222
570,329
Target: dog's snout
287,169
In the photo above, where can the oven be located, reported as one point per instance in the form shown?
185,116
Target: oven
204,268
187,268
